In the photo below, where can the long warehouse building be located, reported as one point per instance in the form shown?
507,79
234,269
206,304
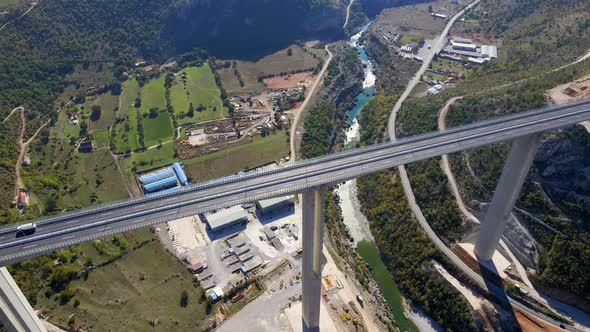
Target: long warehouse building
155,177
464,47
226,217
180,174
266,206
160,184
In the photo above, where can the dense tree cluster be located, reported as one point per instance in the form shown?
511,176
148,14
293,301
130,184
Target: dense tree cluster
326,120
405,248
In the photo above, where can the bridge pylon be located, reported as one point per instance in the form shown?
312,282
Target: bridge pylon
16,313
312,237
515,171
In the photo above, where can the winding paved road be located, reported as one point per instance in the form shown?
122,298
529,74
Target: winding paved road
437,47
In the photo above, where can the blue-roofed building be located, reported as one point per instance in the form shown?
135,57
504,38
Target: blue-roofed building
160,184
180,173
163,191
155,177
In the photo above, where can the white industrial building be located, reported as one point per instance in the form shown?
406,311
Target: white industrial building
269,205
226,217
489,51
464,46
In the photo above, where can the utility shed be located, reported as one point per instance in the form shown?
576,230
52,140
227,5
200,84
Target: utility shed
226,217
489,51
269,205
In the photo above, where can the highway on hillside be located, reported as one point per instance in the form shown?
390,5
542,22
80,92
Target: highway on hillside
437,46
79,226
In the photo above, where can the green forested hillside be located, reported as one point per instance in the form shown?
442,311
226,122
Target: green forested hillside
58,38
537,38
406,250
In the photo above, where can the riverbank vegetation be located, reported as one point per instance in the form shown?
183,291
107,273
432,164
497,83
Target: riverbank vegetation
405,249
326,120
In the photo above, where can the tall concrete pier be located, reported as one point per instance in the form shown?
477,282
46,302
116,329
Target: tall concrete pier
312,238
15,311
515,171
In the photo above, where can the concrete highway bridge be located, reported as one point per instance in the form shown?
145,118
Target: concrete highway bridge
309,178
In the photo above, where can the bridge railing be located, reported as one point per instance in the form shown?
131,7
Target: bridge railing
286,167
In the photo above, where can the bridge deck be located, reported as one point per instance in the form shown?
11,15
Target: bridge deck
79,226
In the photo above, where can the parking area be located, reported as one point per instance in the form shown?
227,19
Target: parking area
226,247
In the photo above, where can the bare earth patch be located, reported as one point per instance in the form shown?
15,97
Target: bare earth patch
289,81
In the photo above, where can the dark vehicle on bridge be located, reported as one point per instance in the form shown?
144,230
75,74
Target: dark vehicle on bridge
26,229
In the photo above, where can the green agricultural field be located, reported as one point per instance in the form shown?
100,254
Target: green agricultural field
130,294
158,129
153,95
63,129
70,179
126,136
94,178
179,98
9,5
108,104
435,76
149,159
200,89
100,138
236,158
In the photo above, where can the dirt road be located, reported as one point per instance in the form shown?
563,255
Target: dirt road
311,92
33,5
16,109
347,13
349,291
22,146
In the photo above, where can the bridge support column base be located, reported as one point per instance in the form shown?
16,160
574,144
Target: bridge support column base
515,171
16,313
312,238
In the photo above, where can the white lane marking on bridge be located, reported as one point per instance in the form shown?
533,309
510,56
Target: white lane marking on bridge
106,213
169,199
31,246
68,237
